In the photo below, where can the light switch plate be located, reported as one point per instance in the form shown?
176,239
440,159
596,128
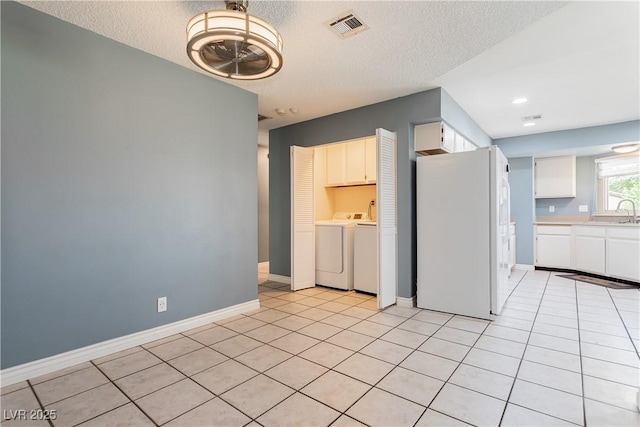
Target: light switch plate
552,208
583,208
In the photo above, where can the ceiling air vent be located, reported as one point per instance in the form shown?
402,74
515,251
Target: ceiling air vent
261,117
346,25
532,118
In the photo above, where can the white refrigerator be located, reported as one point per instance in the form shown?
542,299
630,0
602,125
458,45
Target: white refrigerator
463,232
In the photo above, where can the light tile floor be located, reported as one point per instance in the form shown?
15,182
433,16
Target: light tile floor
562,353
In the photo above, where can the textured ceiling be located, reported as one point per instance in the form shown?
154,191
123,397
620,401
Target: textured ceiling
474,50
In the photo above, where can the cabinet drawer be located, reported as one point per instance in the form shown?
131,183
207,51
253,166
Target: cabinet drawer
632,233
558,230
590,231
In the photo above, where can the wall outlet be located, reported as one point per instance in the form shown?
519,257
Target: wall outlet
162,304
552,208
583,208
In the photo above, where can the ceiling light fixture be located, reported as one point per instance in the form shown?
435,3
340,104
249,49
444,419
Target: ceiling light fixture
529,124
519,101
626,148
233,44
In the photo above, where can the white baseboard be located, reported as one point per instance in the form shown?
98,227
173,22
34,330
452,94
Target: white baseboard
524,267
279,278
406,302
84,354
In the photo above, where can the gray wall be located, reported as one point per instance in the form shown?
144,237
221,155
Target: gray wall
124,178
453,114
397,115
531,145
263,204
522,206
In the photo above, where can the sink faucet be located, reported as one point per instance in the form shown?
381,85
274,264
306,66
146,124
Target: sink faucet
371,203
633,206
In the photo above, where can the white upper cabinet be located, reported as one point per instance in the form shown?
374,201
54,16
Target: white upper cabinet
356,162
555,177
351,163
463,144
371,160
448,138
460,143
439,138
336,164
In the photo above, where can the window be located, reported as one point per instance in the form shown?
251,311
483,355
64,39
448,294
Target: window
618,179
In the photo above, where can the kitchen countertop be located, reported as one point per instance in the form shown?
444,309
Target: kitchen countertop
589,223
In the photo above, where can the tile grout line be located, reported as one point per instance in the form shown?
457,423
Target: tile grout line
416,349
515,378
584,405
39,402
73,395
624,324
262,373
297,355
354,353
374,339
124,394
384,376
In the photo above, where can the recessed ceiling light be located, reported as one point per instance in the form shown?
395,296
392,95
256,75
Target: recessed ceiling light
529,124
519,101
626,148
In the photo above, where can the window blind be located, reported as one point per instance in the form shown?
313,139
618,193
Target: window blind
618,166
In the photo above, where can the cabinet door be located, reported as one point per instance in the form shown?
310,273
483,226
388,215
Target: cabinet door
589,254
512,251
370,160
555,177
553,251
336,165
622,259
448,138
460,143
468,146
356,162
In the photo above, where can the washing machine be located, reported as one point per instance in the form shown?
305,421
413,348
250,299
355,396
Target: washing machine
334,250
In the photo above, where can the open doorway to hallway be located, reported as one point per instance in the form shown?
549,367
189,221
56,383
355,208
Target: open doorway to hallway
263,207
263,272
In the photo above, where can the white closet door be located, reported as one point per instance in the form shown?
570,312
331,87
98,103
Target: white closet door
386,194
303,245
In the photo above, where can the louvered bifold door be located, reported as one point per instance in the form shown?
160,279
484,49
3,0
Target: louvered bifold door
303,244
386,193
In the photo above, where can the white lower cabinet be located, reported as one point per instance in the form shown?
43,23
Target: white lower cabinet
623,253
554,246
512,246
589,249
605,250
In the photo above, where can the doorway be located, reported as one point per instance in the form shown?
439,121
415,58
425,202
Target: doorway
303,219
